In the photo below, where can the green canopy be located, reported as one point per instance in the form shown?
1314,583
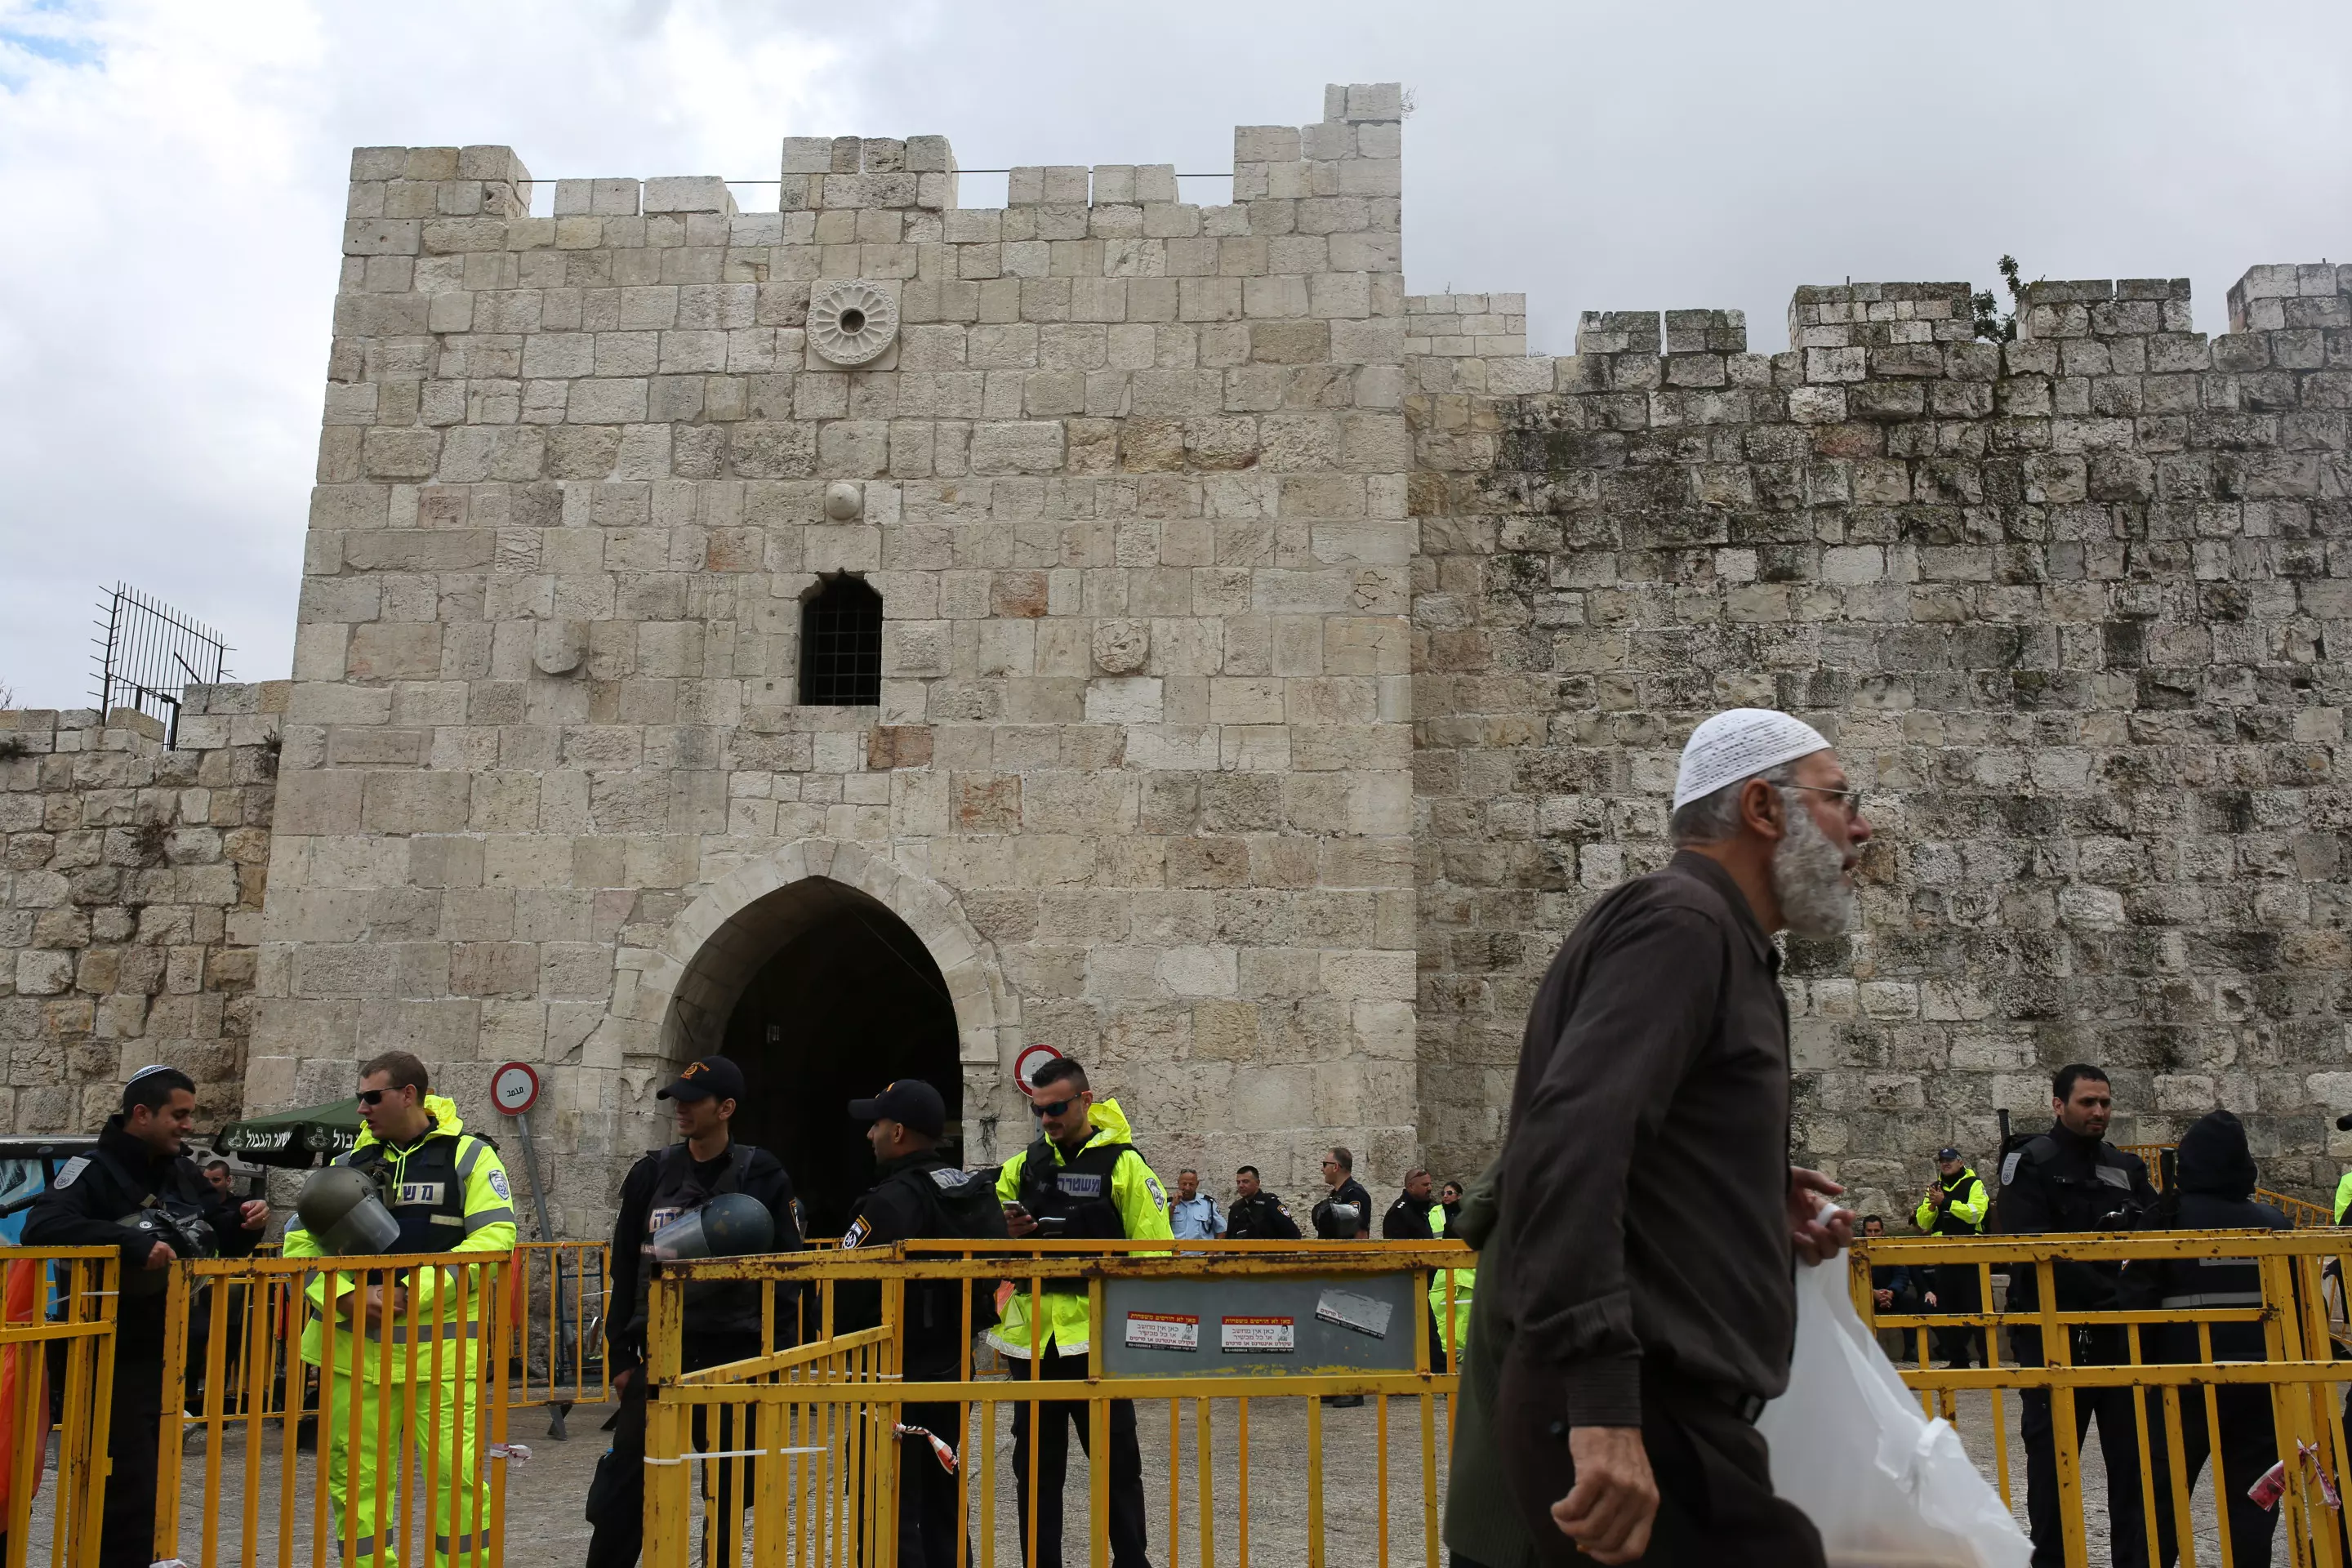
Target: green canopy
310,1136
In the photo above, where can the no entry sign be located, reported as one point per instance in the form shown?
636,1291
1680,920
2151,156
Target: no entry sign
515,1087
1025,1065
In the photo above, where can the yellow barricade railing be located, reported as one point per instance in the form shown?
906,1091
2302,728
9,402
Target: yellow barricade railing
351,1410
560,1306
2086,1352
1211,1340
56,1321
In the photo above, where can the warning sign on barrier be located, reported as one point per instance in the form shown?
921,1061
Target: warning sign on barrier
1163,1330
1258,1336
1273,1323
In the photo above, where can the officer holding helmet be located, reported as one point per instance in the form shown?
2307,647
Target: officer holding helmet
705,1197
137,1191
416,1181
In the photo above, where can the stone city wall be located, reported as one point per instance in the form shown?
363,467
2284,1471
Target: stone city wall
2072,607
1131,479
131,900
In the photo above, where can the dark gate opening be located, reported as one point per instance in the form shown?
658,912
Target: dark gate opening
847,1003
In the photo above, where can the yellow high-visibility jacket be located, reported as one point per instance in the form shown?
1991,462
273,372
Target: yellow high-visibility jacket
1142,1206
1967,1212
449,1302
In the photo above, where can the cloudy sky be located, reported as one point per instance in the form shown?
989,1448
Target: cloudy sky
174,181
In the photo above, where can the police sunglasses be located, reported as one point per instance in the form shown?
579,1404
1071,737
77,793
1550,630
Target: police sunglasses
1042,1107
372,1096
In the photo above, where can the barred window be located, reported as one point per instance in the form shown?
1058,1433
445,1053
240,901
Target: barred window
841,646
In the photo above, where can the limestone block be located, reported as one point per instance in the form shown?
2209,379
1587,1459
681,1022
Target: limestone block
688,194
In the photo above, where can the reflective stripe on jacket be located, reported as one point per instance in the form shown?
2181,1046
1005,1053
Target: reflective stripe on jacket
1142,1206
447,1300
1965,1215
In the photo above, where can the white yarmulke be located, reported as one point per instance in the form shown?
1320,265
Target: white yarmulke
1739,743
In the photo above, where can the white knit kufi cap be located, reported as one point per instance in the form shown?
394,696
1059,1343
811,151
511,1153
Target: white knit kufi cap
1739,743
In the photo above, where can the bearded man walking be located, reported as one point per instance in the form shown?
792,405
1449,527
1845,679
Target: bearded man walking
1636,1304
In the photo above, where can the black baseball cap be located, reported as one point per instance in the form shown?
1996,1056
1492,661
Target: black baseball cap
712,1078
909,1100
1947,1154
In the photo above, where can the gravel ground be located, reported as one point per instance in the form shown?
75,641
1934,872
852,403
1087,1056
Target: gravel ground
544,1525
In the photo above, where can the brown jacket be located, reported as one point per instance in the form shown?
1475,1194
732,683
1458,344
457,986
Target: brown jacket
1644,1179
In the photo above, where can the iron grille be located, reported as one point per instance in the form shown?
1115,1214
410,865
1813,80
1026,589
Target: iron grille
151,654
841,646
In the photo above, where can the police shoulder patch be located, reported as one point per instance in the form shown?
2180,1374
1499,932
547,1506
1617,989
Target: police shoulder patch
2009,1166
858,1230
70,1170
948,1179
1152,1185
498,1185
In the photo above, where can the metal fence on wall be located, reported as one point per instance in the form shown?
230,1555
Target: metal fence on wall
148,654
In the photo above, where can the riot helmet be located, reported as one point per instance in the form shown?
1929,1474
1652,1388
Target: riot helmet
731,1225
345,1214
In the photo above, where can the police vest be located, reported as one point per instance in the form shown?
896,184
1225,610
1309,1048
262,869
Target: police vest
1077,1194
428,1200
2097,1198
719,1307
2188,1283
1946,1222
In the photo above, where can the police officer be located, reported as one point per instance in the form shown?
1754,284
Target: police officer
1258,1214
2212,1189
2072,1179
1955,1206
920,1195
1345,1212
1081,1177
446,1191
110,1197
1413,1216
722,1320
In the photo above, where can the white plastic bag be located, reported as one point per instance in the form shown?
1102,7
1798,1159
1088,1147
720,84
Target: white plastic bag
1886,1486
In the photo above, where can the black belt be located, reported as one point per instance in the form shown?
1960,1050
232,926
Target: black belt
1744,1407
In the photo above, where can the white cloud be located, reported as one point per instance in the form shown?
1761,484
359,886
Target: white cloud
174,179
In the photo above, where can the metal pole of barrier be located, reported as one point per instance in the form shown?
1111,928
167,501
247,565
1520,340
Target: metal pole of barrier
1099,1421
1314,1482
2140,1439
1241,1409
2063,1441
175,1403
1203,1465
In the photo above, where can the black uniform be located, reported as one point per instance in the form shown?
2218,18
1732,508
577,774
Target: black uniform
722,1324
2211,1190
2058,1183
1408,1219
1330,1227
1261,1216
908,1204
84,1207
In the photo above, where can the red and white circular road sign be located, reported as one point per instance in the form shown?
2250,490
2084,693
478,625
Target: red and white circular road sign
515,1087
1025,1065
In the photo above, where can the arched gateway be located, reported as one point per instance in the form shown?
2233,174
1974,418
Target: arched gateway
826,971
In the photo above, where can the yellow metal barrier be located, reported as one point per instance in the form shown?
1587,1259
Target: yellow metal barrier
806,1439
398,1368
56,1319
2305,1404
560,1300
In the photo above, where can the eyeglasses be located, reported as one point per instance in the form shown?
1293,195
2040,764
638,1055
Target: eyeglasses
1850,798
1043,1108
372,1096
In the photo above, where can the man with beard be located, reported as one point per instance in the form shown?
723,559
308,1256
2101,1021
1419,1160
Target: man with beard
1639,1305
